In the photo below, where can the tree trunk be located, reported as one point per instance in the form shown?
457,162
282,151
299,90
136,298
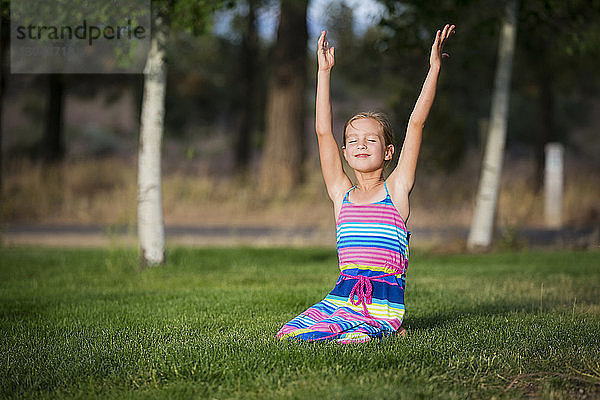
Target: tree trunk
282,158
53,147
4,35
247,90
482,225
547,127
150,213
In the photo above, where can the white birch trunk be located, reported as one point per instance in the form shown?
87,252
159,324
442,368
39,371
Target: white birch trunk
150,213
482,225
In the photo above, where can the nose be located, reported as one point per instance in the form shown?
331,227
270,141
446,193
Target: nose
362,144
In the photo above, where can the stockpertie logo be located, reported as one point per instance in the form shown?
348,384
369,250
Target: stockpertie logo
79,36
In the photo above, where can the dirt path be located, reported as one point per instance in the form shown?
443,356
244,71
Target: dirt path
450,238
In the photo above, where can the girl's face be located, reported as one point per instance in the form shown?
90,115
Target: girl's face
365,148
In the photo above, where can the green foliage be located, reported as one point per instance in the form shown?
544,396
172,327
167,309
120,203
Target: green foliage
49,17
4,9
192,15
466,80
554,67
197,81
87,323
205,73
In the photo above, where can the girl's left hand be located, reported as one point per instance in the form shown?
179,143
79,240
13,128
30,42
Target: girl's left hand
435,59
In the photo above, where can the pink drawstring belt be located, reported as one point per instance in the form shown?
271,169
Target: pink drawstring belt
363,289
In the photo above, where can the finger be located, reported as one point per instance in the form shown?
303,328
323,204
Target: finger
444,32
445,36
322,38
445,55
435,44
449,32
437,37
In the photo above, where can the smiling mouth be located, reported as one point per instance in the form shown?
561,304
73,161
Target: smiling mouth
362,155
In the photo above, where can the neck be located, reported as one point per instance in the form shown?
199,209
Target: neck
368,181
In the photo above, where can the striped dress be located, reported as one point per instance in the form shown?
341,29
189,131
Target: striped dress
368,298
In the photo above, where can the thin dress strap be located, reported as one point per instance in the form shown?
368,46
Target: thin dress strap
348,193
386,189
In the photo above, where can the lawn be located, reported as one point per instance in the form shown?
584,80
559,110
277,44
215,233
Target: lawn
88,324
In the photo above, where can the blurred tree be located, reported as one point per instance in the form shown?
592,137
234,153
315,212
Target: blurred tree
282,159
193,16
555,79
150,215
247,88
208,96
53,145
340,28
555,59
464,87
199,91
556,56
482,224
4,43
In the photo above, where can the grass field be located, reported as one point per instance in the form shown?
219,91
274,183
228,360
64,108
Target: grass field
88,324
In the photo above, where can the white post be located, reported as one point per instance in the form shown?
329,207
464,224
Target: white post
553,185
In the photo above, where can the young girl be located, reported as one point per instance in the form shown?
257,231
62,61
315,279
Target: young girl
372,240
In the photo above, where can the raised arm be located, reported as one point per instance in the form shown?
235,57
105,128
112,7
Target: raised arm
402,179
336,180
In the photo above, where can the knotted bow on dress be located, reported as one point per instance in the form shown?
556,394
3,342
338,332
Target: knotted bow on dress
363,289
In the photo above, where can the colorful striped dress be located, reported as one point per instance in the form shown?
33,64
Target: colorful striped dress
368,298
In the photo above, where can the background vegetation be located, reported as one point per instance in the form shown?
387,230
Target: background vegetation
217,95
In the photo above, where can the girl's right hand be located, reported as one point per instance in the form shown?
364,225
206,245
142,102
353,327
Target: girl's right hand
325,54
437,54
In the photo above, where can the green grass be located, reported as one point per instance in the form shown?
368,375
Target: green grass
88,324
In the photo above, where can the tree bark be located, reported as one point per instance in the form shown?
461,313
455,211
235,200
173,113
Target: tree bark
482,225
150,213
53,147
282,159
4,36
247,90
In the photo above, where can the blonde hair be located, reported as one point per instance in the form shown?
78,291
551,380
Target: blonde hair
381,118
